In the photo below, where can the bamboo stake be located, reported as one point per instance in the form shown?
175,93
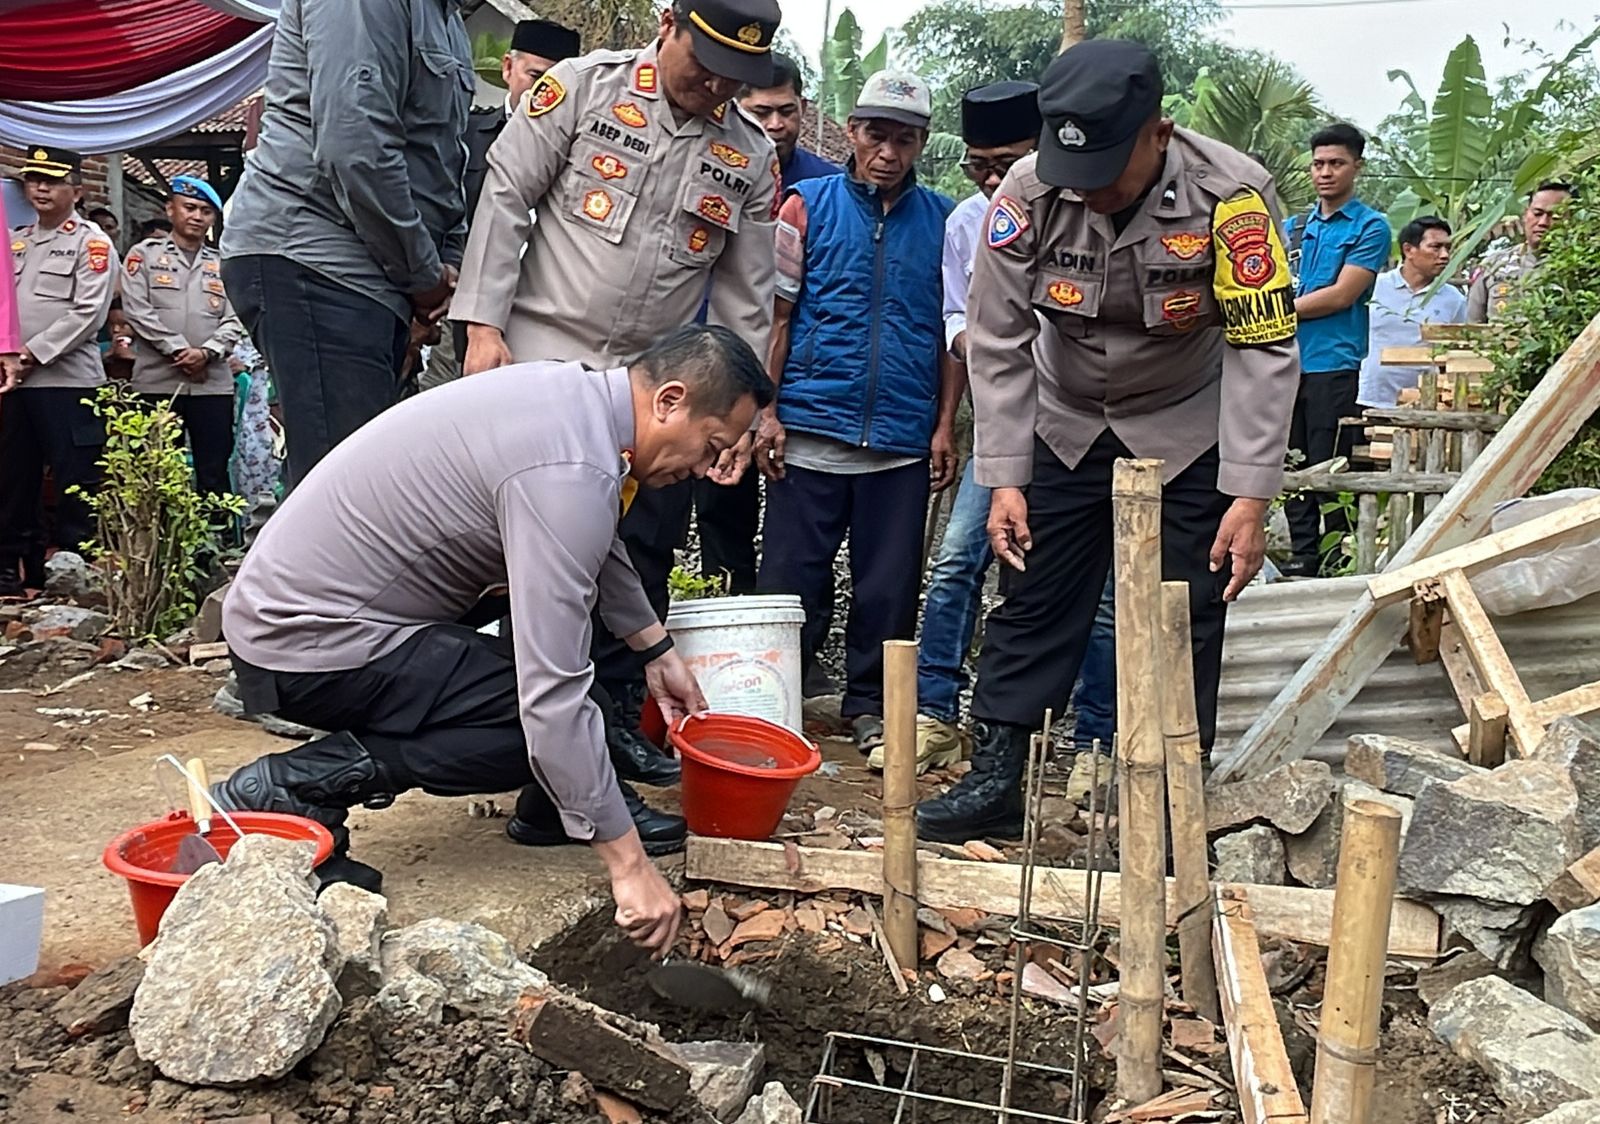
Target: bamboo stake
1136,521
900,799
1347,1043
1186,802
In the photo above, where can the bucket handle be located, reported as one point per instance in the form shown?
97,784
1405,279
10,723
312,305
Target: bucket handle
169,759
684,721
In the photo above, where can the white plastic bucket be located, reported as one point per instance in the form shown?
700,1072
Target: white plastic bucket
745,651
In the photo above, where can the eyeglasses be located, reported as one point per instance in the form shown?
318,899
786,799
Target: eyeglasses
981,170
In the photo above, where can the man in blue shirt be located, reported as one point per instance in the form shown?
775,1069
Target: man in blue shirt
1336,250
1402,303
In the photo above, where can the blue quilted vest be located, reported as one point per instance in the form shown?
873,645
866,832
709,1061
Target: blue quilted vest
864,342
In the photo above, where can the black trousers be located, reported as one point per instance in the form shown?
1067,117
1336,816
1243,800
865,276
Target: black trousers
1324,398
1033,644
39,426
208,422
335,355
651,530
439,712
808,516
727,517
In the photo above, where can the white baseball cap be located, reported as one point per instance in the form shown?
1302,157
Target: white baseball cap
896,95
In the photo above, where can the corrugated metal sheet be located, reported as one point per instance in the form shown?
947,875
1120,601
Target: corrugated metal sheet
1273,628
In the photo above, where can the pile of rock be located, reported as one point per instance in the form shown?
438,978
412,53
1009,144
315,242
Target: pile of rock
1509,857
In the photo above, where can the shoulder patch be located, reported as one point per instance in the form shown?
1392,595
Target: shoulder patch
1251,279
547,93
19,245
135,260
644,78
1007,221
98,251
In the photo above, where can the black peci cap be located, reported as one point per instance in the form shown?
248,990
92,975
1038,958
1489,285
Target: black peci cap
1095,97
1000,113
733,38
547,39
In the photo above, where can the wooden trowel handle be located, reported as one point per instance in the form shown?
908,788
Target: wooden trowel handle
199,806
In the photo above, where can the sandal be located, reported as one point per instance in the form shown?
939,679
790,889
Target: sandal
867,729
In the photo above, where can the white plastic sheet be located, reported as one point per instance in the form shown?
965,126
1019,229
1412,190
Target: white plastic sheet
1559,576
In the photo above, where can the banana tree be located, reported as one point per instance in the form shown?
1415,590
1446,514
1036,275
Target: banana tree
845,69
1471,162
487,51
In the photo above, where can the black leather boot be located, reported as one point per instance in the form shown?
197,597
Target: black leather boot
988,800
538,824
320,780
10,580
632,755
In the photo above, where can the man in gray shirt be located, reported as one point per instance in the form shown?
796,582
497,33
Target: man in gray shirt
350,219
345,613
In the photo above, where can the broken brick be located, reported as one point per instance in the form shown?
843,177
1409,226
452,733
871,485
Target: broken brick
934,943
743,911
765,926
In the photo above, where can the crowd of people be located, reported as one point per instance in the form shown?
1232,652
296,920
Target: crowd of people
631,300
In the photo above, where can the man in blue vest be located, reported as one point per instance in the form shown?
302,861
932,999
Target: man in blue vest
867,393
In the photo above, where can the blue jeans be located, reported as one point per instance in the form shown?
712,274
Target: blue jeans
955,595
1096,700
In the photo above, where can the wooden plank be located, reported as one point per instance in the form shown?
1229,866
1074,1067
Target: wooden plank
1400,461
1394,585
1472,421
1563,401
1291,912
1427,623
1412,356
1372,483
1366,533
1486,731
1490,661
1261,1071
1458,666
1577,702
1578,886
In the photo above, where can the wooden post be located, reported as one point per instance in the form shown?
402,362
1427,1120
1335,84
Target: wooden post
1366,534
1073,22
1308,704
1186,802
900,799
1261,1071
1486,730
1369,859
1136,522
1399,502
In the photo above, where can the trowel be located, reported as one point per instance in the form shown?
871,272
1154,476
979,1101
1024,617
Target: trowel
194,849
701,987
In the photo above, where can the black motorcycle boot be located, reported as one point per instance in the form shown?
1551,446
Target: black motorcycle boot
538,824
632,755
320,780
988,800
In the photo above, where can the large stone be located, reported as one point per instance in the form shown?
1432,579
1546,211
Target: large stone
66,574
1314,855
1575,1112
1502,933
359,919
1503,836
102,1000
477,969
1254,856
71,621
239,983
1289,797
1574,745
1569,953
1440,978
1539,1058
722,1075
773,1105
1401,766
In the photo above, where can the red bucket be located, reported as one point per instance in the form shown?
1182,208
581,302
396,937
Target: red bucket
739,773
144,856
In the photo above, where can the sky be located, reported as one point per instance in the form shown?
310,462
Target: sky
1345,48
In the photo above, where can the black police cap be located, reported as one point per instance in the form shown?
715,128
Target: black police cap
1095,97
733,38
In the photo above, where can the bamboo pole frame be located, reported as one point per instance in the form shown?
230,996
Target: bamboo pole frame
1347,1040
900,799
1136,524
1186,804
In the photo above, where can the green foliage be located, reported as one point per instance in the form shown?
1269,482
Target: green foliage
685,586
152,526
1544,316
1262,106
487,51
845,69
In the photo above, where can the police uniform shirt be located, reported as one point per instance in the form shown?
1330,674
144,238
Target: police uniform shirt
1134,323
65,280
1497,281
173,303
635,212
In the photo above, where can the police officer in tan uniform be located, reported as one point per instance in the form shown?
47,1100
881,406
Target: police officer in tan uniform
65,269
1131,298
184,328
1502,271
648,183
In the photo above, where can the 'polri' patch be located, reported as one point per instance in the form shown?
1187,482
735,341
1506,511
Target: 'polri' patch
1007,220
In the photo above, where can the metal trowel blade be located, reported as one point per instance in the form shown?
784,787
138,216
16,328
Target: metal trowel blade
700,987
194,852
